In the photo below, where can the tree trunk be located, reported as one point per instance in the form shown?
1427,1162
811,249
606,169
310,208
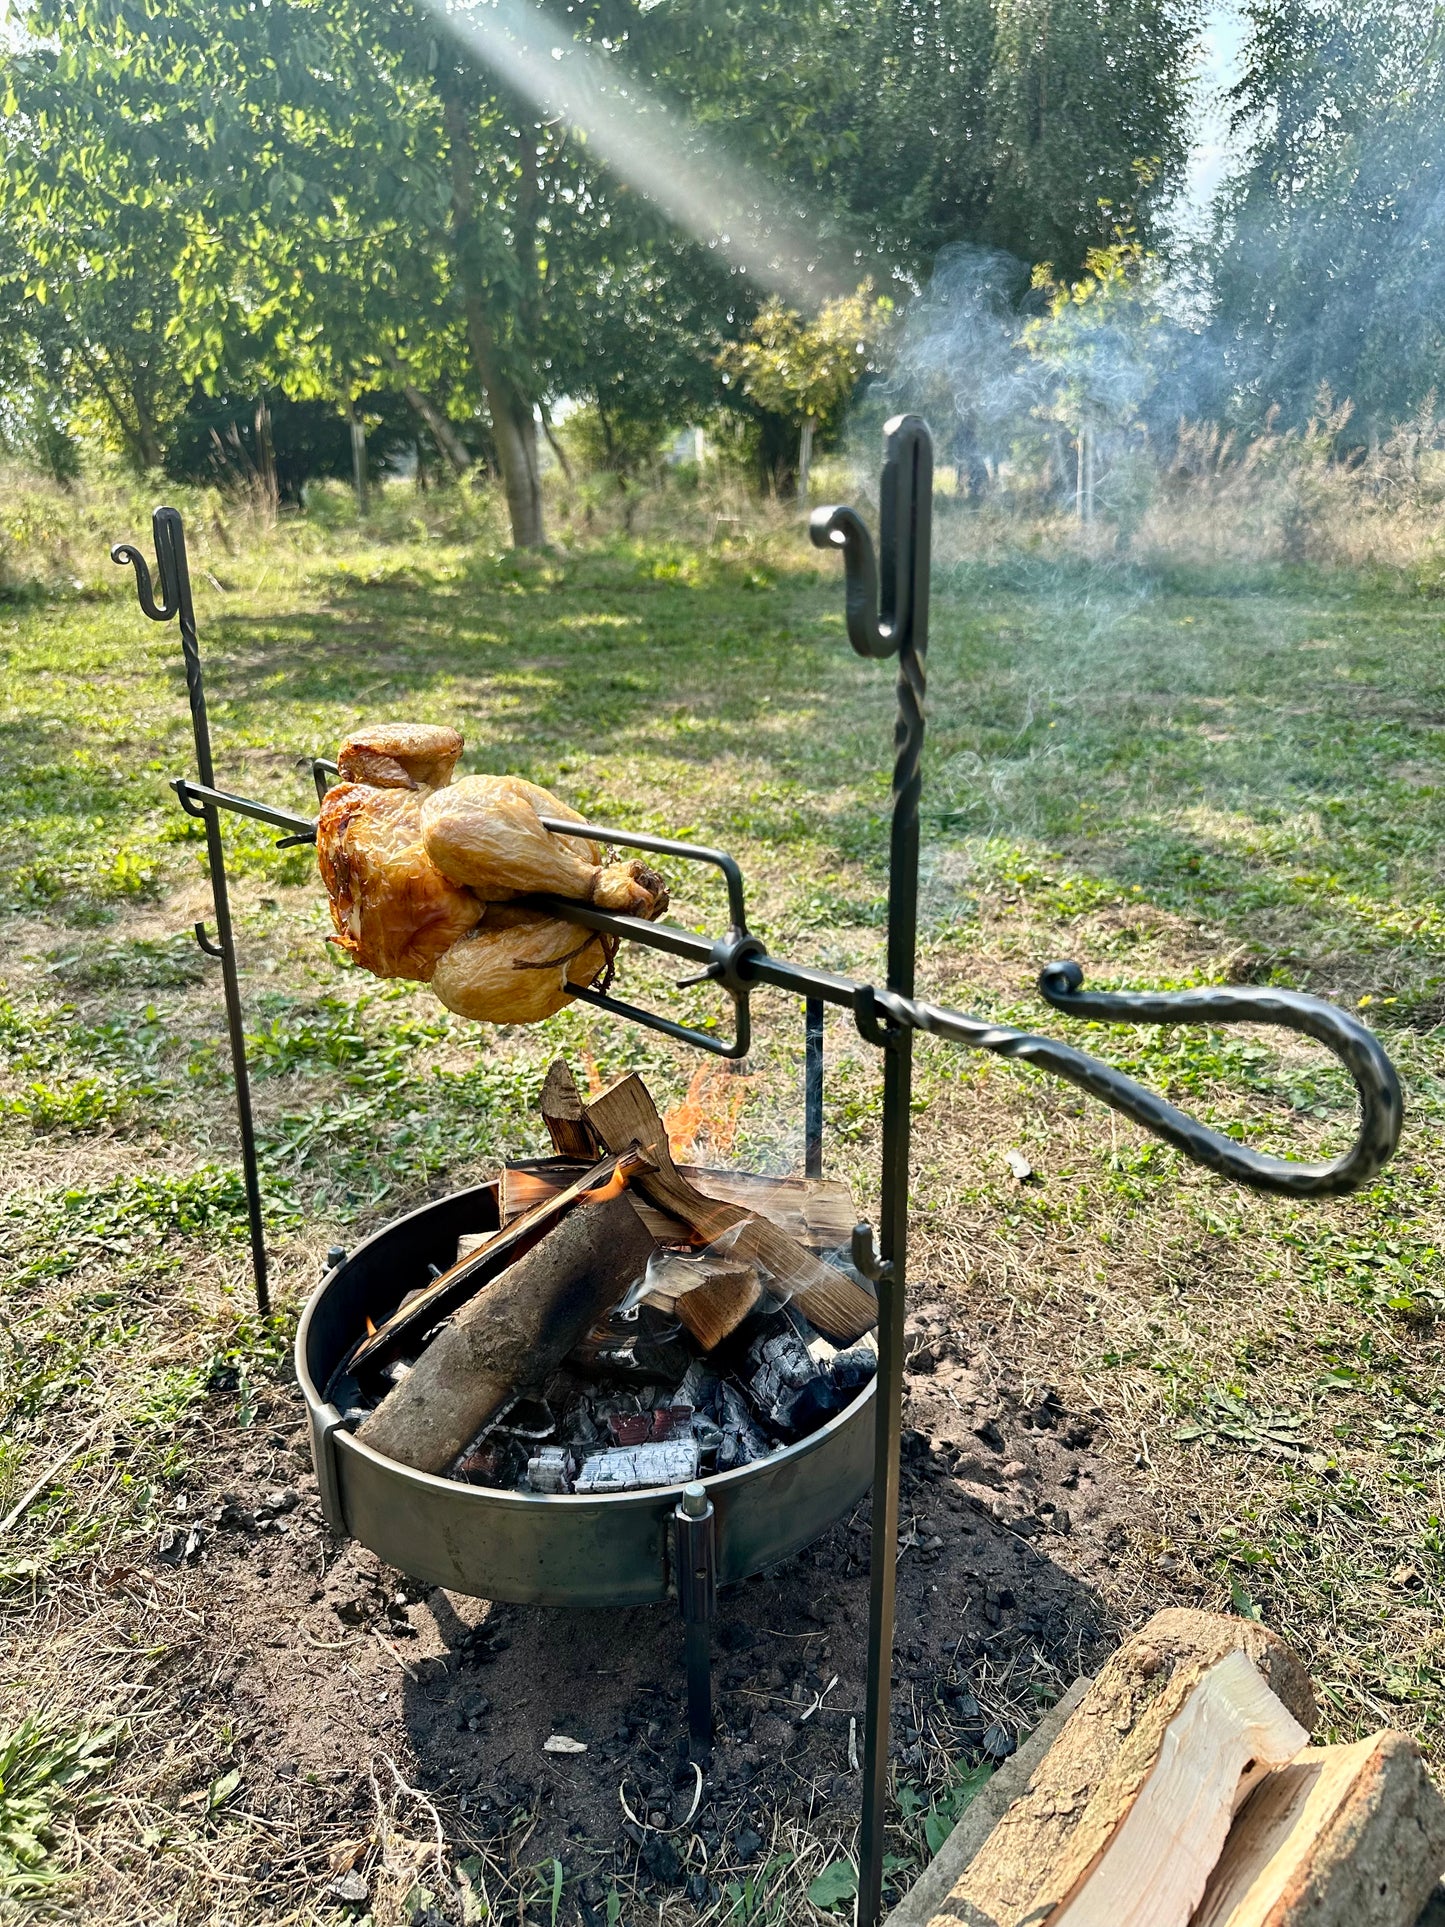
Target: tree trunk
449,444
805,456
266,460
358,456
514,422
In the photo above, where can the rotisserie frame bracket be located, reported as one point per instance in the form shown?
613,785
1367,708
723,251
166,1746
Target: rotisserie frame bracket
886,604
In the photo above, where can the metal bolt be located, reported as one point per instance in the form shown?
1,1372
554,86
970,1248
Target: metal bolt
694,1501
335,1256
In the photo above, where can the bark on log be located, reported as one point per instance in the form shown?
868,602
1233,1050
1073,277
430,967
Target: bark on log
515,1333
440,1298
1343,1836
1045,1845
564,1116
832,1302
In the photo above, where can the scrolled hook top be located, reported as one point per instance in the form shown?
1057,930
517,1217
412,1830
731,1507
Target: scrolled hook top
166,523
878,625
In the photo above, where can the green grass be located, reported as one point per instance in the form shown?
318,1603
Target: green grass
1178,779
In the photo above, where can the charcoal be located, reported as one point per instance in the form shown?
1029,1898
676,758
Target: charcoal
528,1418
629,1468
742,1442
645,1345
699,1387
551,1470
496,1460
343,1391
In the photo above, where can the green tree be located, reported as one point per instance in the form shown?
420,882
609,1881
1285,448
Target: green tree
1328,262
807,371
1099,342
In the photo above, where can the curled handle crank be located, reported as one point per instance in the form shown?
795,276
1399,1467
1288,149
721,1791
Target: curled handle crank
1358,1049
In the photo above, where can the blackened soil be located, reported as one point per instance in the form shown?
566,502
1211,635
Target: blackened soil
330,1663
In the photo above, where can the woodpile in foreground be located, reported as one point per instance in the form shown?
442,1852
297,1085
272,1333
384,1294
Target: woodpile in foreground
1181,1792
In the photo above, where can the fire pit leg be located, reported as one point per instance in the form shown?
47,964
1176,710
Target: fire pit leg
813,1087
697,1599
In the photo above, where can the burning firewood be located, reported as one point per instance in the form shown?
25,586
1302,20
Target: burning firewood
469,1274
711,1292
514,1334
836,1304
563,1114
818,1212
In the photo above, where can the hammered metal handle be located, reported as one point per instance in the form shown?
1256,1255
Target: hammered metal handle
1382,1110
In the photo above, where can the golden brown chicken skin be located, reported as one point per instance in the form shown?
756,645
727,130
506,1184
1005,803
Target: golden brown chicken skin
486,832
518,966
401,756
395,912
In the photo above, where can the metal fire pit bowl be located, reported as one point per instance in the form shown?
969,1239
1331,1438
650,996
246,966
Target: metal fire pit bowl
611,1549
631,1548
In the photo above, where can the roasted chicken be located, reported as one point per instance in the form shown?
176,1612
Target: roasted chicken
395,912
421,873
401,756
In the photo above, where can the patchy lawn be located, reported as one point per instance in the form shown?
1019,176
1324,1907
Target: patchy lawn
1174,780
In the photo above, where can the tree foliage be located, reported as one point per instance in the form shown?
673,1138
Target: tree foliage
1328,262
337,200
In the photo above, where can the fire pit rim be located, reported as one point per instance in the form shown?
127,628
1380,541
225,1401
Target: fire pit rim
333,1437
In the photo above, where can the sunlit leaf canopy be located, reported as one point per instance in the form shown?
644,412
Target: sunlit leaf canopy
462,216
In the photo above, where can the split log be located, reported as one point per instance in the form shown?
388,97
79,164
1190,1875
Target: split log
1342,1836
514,1334
724,1292
833,1302
417,1314
819,1212
1040,1857
564,1116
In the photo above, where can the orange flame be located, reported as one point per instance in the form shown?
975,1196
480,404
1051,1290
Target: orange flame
711,1111
613,1188
594,1076
370,1327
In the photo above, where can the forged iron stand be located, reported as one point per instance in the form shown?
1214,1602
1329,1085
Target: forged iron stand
887,615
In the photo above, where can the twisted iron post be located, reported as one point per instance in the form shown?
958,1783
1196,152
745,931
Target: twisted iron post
894,621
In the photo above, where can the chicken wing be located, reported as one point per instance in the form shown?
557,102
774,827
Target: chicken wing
485,832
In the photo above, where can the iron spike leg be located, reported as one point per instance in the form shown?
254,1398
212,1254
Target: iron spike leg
695,1547
887,614
177,605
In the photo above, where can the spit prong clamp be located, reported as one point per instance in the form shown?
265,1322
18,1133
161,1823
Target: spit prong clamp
730,955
